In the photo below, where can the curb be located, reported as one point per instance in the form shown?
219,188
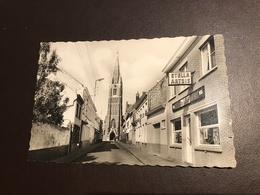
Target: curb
132,153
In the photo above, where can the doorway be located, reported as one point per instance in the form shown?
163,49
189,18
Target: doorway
189,150
112,135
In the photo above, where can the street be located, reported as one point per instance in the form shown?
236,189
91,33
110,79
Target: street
109,153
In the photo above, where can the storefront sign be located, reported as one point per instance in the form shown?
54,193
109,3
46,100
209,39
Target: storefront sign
196,95
179,78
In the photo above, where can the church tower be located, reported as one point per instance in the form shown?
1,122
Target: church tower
113,119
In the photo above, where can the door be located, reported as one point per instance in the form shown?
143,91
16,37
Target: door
157,139
189,150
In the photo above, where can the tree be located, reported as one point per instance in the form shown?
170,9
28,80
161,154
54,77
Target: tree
48,107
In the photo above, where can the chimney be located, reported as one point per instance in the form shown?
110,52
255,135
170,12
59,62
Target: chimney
137,96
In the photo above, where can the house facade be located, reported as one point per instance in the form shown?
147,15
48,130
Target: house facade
98,129
88,116
72,118
187,112
156,115
141,120
198,117
129,127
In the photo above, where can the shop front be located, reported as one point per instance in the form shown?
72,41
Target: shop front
198,105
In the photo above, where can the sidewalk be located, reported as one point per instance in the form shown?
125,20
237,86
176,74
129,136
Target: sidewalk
76,154
149,159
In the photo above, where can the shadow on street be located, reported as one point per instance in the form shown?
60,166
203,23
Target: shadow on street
105,147
85,158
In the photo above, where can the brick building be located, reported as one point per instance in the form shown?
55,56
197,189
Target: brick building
198,117
156,132
145,120
113,119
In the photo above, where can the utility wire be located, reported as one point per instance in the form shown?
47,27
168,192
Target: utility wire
90,59
87,61
57,79
65,72
83,63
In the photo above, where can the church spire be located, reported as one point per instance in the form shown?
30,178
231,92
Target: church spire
113,119
116,75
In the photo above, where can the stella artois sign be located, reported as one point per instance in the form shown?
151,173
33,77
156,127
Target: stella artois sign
179,78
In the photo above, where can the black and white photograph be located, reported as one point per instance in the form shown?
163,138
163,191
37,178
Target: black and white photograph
159,102
130,97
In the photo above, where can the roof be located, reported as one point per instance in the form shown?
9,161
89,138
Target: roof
141,99
186,43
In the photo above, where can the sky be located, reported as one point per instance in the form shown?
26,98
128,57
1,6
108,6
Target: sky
141,64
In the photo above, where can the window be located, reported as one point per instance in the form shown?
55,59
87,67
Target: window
176,134
157,126
172,91
114,91
78,110
208,127
208,56
163,124
113,123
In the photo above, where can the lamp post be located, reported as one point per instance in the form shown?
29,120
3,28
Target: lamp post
96,87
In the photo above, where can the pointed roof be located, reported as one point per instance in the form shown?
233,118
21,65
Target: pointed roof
116,74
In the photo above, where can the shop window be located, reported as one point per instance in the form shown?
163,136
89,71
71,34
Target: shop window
208,56
208,127
176,132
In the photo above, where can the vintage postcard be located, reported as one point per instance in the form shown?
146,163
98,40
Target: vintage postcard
161,101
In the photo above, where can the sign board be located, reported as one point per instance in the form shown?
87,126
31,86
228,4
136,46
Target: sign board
194,96
179,78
